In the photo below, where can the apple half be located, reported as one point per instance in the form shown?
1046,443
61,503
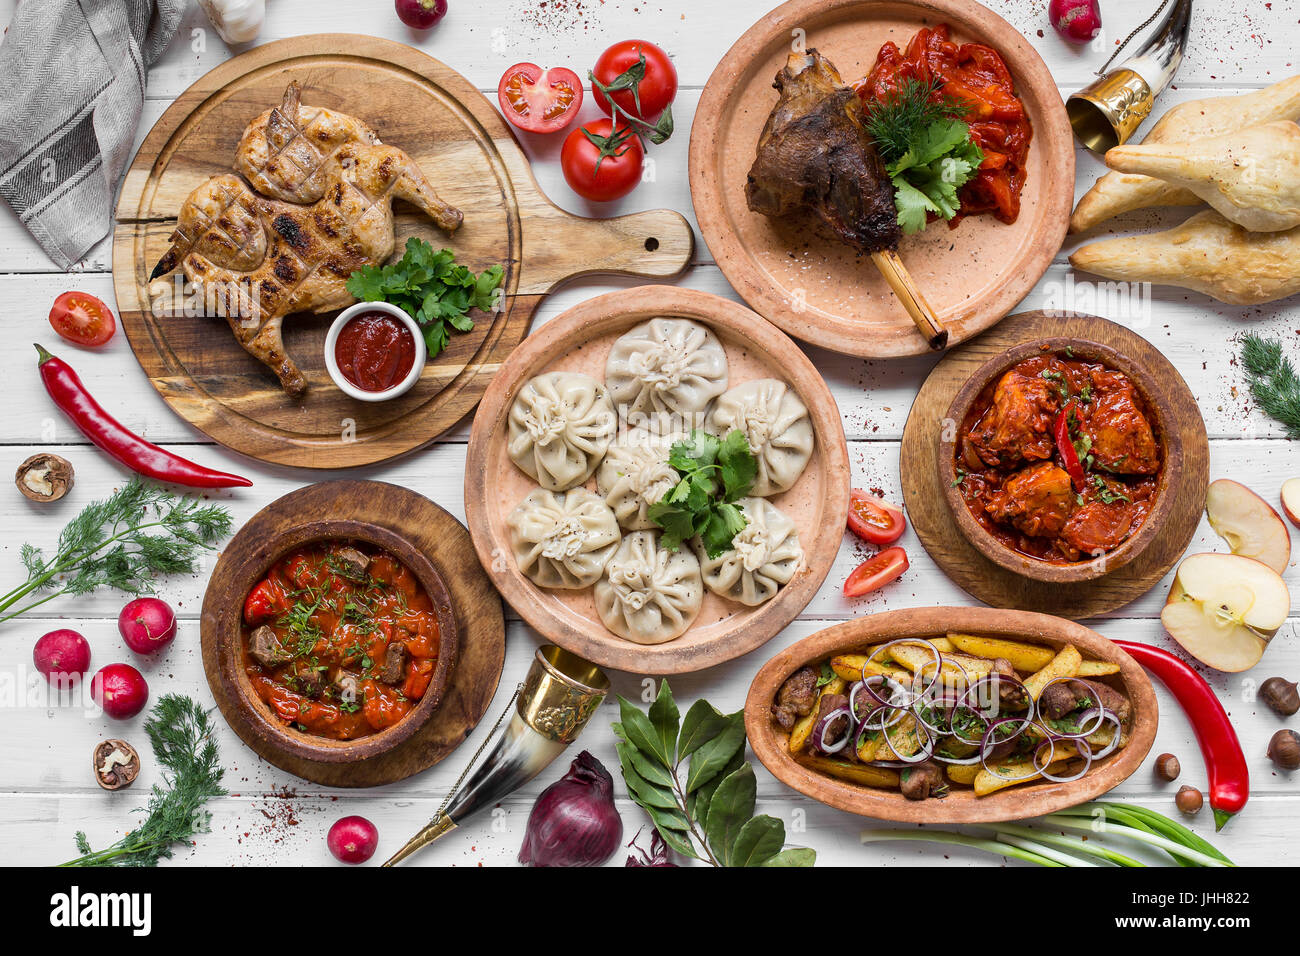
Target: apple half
1291,500
1225,608
1248,523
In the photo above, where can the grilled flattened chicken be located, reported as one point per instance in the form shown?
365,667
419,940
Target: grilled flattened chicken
814,153
256,259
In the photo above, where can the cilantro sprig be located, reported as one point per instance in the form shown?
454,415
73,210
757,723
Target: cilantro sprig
431,288
927,151
715,474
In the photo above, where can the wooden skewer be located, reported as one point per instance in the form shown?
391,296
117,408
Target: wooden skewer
900,280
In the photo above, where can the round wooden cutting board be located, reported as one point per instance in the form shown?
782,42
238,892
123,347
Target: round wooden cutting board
469,154
928,510
475,604
793,271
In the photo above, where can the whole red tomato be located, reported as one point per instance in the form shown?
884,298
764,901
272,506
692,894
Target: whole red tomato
655,90
600,163
82,319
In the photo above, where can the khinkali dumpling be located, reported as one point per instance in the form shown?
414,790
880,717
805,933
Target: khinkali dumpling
560,425
649,595
666,367
776,422
763,556
635,474
563,540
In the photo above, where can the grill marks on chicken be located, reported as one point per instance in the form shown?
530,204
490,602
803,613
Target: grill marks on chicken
322,209
1013,481
815,154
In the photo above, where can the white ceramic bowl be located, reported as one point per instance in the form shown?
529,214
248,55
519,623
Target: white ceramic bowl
332,337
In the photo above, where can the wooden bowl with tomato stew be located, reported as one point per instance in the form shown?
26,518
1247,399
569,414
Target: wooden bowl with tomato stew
878,789
1043,507
336,593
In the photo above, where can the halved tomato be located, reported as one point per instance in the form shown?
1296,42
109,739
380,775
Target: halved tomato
875,572
874,519
537,100
82,319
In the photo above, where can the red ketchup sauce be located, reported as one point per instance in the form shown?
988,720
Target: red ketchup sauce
375,351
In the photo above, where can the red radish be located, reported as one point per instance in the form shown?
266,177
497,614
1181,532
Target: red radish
120,689
1076,20
421,14
62,656
353,840
147,624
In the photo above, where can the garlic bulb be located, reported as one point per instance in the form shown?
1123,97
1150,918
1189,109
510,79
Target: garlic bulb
238,21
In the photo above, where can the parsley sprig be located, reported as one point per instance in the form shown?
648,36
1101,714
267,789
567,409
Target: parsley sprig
138,533
431,288
927,150
715,473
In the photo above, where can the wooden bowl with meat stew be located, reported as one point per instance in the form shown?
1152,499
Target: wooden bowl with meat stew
1055,459
336,638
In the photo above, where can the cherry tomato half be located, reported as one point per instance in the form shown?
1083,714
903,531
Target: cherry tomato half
657,88
874,520
82,319
537,100
598,178
875,572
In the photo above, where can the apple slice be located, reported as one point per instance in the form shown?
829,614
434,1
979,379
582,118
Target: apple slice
1225,608
1291,500
1248,523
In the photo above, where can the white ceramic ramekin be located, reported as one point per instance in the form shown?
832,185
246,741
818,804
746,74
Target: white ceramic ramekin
360,394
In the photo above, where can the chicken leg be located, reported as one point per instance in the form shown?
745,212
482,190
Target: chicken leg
815,154
1117,193
1251,176
1208,254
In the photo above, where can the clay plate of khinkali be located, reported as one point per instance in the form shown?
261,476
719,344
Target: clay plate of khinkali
615,339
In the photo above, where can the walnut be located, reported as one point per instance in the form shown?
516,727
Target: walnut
115,763
44,477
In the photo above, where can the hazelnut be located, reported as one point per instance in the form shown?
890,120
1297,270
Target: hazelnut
1168,767
1189,800
1284,750
44,477
115,763
1280,694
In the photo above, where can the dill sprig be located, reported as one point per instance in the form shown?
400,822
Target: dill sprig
125,541
895,122
1273,381
181,734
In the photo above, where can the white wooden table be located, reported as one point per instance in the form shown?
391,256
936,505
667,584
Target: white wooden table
46,790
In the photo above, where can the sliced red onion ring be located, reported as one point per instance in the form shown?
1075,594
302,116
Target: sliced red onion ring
1085,751
823,726
938,661
1108,717
1097,712
927,747
989,743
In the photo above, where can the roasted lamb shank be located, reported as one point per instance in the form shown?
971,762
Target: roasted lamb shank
815,154
256,259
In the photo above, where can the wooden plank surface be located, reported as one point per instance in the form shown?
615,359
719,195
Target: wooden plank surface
271,817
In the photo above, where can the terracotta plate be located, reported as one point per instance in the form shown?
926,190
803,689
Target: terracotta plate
434,546
961,806
580,340
804,280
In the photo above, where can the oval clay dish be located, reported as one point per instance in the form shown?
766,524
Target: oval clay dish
961,805
1154,396
406,525
580,340
792,271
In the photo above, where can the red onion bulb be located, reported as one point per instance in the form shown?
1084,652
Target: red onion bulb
1076,20
574,822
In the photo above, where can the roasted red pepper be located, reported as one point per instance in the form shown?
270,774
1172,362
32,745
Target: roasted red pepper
1224,761
68,392
1065,445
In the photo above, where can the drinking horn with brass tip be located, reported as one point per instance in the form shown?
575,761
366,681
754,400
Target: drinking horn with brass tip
551,707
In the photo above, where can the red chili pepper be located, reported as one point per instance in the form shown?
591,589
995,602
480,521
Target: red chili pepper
68,392
1066,447
1224,761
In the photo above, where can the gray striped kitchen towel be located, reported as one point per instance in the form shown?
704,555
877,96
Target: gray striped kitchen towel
73,75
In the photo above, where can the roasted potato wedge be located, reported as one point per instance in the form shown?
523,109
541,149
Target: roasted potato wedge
986,782
1096,669
964,773
1026,658
1064,664
852,772
802,729
849,666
